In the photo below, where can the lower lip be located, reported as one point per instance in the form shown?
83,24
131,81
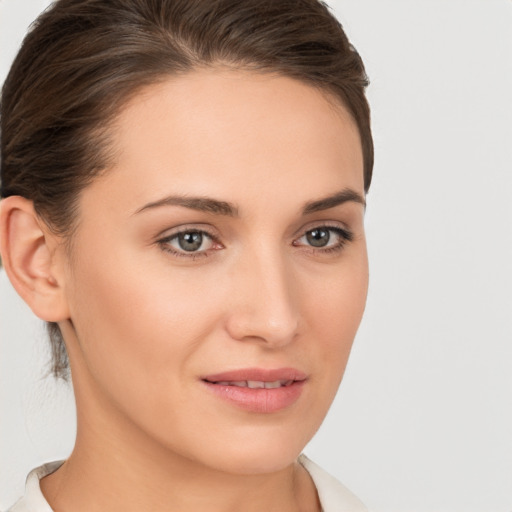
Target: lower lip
261,400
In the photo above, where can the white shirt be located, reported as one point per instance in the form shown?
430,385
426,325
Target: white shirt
334,497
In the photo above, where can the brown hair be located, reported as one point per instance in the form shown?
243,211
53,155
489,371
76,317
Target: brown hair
83,59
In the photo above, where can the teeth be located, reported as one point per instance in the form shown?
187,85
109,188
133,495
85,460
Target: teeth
238,383
256,384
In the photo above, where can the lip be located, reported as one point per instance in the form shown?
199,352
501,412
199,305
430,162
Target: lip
259,400
260,374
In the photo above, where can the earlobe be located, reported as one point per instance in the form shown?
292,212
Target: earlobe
28,253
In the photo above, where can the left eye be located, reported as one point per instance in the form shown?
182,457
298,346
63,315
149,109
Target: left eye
325,237
190,241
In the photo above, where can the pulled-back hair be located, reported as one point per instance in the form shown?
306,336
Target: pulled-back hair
82,60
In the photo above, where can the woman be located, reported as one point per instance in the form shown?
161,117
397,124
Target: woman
183,189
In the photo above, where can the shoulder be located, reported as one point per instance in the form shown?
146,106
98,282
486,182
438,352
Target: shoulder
34,501
334,496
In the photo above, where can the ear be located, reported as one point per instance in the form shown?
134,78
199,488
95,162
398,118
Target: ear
30,257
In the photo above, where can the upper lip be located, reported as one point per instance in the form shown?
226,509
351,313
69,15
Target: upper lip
257,374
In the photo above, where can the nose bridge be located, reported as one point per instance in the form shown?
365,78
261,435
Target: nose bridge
265,305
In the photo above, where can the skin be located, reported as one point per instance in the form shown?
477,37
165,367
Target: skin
143,324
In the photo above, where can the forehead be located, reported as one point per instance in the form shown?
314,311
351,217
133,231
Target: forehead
217,129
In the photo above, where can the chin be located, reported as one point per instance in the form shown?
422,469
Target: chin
264,452
264,461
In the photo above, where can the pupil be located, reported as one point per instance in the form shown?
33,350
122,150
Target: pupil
318,237
190,241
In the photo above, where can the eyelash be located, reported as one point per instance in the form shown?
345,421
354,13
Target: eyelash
345,236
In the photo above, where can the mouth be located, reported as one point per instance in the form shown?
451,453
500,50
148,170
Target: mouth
258,390
254,384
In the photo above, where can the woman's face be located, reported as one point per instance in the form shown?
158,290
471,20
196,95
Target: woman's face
225,245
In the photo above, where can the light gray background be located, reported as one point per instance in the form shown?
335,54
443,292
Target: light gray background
423,422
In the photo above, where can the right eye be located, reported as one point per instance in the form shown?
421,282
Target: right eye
189,243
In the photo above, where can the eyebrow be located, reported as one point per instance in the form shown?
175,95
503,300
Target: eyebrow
203,204
209,205
346,195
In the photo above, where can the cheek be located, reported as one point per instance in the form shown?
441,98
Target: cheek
137,324
334,309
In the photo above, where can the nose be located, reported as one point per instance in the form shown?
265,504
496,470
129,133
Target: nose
263,305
